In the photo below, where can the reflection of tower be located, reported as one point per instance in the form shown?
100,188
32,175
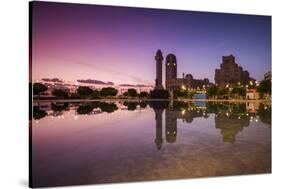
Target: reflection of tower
158,117
171,125
158,80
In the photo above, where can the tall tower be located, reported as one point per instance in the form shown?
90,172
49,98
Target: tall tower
171,70
158,80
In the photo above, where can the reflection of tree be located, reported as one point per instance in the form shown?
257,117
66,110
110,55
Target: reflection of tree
37,113
132,105
143,104
85,109
108,107
264,113
58,107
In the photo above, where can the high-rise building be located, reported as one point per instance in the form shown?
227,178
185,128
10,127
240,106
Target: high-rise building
158,80
171,71
230,73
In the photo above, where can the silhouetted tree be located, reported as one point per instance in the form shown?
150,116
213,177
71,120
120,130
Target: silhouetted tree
38,88
143,94
60,93
95,94
125,93
74,96
84,91
132,92
108,91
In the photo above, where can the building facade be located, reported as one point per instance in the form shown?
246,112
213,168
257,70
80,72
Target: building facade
230,73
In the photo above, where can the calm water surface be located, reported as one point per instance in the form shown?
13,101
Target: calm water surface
118,141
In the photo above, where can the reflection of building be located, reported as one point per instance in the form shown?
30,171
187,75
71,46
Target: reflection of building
230,125
230,73
252,107
252,94
171,125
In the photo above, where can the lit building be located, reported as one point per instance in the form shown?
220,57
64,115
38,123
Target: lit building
252,94
231,74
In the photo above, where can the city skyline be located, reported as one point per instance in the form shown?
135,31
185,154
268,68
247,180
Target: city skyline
112,43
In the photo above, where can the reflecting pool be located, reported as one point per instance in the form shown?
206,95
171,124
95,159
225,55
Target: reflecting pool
118,141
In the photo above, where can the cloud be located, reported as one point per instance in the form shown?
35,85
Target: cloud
92,81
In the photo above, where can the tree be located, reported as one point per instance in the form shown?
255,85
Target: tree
132,92
159,93
95,94
264,87
84,92
108,91
59,93
181,93
143,94
38,88
212,91
222,92
239,91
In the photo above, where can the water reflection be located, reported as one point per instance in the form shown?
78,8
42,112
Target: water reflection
117,141
229,118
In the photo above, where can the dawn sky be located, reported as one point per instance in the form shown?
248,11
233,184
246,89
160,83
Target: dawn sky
72,41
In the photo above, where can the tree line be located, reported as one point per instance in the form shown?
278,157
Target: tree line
84,92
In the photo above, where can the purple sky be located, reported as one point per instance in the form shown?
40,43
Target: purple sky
74,41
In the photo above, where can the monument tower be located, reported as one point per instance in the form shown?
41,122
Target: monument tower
158,80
